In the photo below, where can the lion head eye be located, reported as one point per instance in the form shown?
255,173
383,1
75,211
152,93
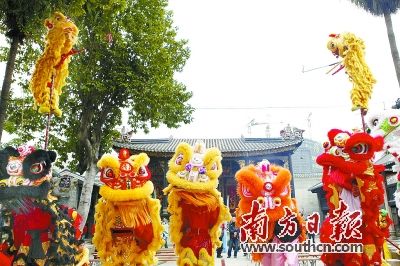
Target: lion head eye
393,121
178,160
20,181
277,201
246,191
142,171
109,173
360,148
37,168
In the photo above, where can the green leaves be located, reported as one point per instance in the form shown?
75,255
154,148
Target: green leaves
130,58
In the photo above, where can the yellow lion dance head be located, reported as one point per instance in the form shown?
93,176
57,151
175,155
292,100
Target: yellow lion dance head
128,225
195,167
196,206
351,49
51,69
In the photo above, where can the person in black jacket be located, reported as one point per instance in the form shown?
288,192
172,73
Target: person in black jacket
233,238
219,250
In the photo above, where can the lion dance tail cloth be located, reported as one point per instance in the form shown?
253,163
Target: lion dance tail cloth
265,187
351,49
128,224
35,230
51,69
354,193
196,206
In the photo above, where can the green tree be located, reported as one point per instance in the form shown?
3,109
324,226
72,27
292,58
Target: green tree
19,21
385,8
130,58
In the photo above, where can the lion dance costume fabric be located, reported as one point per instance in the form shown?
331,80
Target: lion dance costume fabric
268,185
34,229
354,193
128,225
51,69
196,206
351,49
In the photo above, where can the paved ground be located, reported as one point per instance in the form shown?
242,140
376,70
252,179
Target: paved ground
239,261
242,260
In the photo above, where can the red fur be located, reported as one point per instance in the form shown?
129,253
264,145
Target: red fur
341,172
196,231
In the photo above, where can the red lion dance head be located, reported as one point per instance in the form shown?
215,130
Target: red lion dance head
354,189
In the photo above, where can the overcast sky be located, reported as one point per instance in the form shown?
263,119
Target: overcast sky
250,54
247,59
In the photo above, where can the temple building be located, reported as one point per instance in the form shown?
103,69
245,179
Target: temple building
236,152
306,173
290,151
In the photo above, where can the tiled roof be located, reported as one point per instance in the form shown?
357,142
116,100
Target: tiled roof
234,147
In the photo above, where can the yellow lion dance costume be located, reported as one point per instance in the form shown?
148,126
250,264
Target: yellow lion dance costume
351,49
128,225
51,69
196,207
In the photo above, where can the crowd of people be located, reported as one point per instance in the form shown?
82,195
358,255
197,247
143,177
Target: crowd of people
233,242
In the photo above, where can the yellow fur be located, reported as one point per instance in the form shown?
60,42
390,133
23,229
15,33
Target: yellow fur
111,254
186,150
212,162
213,156
83,258
188,258
139,160
59,41
175,181
351,49
108,160
131,209
125,195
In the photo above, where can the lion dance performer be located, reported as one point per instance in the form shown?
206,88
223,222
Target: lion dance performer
34,229
351,49
265,187
196,207
128,225
51,68
354,193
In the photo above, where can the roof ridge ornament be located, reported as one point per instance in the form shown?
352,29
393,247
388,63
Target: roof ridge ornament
290,133
126,134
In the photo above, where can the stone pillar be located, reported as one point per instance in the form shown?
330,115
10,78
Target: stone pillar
164,202
290,167
392,229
